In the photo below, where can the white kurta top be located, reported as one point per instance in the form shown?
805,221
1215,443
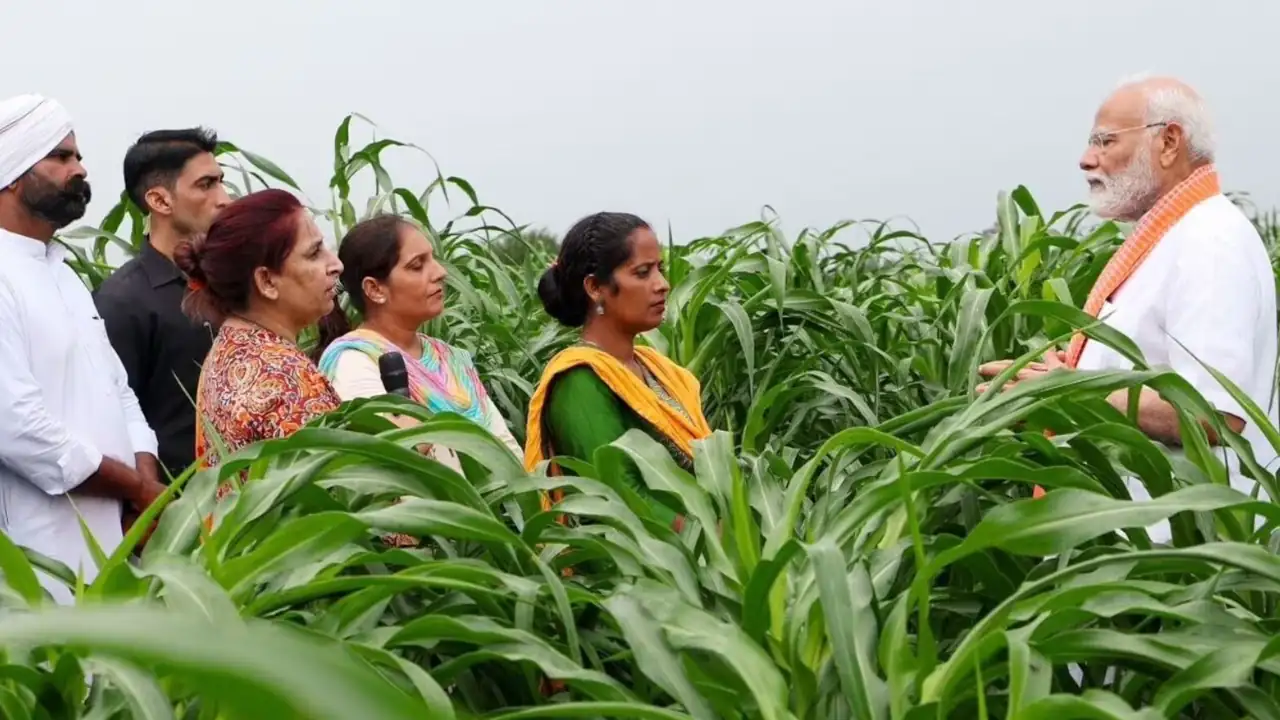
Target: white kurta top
65,403
1205,294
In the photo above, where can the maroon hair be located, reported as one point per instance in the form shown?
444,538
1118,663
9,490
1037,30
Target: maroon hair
257,230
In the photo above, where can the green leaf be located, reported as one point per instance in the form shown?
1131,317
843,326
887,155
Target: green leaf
422,517
143,694
1226,667
657,660
1030,676
847,601
254,670
592,710
737,317
266,166
967,346
491,640
1063,519
662,474
689,628
18,573
298,541
187,589
1096,704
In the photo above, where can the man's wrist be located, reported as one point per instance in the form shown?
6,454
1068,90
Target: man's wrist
131,482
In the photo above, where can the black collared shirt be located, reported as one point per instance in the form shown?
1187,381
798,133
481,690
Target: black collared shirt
160,347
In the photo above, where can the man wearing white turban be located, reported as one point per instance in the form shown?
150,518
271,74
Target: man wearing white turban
73,442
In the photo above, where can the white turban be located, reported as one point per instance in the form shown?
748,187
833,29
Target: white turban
31,126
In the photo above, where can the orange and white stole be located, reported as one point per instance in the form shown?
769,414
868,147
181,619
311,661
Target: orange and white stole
1168,210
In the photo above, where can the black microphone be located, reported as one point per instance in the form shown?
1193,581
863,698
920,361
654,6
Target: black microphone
395,377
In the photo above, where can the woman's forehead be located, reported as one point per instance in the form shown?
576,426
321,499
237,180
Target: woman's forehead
413,243
310,229
644,246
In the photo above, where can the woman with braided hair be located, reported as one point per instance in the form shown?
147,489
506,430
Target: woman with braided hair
608,281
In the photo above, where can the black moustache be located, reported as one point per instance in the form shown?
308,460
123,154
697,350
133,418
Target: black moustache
78,191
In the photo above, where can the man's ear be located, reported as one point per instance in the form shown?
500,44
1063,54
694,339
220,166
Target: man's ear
159,201
1173,139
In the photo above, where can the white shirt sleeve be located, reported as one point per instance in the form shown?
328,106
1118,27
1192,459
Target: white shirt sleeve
141,437
356,375
32,443
1212,319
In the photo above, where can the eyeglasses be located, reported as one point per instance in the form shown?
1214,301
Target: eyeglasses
1103,137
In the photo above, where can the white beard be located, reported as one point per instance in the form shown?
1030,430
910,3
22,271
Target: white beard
1128,194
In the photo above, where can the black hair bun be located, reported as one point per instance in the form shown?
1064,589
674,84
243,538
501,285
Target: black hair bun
556,303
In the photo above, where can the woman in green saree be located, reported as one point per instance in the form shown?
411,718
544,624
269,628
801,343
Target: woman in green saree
608,280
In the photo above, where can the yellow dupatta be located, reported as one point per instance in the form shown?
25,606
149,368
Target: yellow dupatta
678,382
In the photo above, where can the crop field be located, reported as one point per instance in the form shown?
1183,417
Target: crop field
863,539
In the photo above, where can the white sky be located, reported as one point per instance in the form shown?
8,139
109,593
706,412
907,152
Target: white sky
693,112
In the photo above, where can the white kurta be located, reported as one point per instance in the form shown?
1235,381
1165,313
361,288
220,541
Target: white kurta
1205,294
65,403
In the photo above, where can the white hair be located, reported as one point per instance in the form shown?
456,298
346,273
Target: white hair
1177,103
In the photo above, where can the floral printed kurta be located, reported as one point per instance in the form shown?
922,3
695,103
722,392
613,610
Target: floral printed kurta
255,385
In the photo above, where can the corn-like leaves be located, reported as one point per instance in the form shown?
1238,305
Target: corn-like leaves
860,536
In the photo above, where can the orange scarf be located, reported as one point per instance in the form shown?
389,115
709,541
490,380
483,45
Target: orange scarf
1154,225
669,421
1168,210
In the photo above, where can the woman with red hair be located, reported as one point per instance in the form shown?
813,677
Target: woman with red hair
261,275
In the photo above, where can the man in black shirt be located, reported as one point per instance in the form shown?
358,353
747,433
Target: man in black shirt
173,176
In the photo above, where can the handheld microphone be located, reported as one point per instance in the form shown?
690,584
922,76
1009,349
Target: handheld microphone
395,377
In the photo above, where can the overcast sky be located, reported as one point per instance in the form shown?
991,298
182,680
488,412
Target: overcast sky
692,112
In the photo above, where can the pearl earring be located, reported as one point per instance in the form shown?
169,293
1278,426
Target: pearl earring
599,308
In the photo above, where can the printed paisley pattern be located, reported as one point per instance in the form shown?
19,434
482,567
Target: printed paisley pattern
255,385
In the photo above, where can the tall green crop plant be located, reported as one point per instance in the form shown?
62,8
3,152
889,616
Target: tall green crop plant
862,541
920,582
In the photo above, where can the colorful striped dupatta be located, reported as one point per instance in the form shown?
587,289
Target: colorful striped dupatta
445,380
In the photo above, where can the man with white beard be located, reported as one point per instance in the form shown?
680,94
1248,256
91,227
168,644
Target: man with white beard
73,443
1192,283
